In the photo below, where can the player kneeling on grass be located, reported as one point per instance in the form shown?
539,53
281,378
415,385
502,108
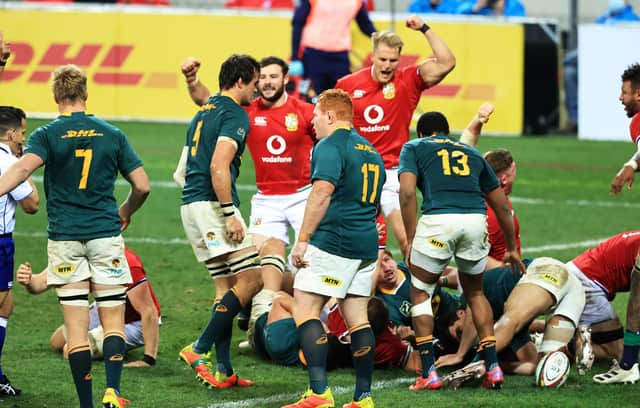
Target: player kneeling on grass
142,314
546,288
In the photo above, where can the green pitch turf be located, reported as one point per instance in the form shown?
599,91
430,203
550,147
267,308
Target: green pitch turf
561,198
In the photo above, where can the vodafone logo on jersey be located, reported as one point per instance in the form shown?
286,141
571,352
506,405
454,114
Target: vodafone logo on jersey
374,114
276,145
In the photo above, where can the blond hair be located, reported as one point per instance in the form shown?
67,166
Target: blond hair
388,38
69,83
338,101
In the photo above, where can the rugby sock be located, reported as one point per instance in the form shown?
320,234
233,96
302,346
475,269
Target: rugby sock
113,349
80,363
315,347
631,348
424,345
363,345
219,331
487,351
3,333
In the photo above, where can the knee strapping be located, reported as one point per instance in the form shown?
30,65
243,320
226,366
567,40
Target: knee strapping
274,261
73,297
110,297
244,262
422,309
557,336
217,269
428,288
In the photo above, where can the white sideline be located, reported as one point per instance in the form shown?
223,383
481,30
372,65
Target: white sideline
182,241
257,402
521,200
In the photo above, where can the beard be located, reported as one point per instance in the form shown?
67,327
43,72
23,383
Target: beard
278,93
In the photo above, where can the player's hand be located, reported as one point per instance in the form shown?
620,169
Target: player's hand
484,113
513,258
297,254
190,67
138,363
235,230
24,273
381,227
448,360
5,49
626,175
414,22
125,220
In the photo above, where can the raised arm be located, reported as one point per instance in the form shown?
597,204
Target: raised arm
5,53
198,91
434,69
471,133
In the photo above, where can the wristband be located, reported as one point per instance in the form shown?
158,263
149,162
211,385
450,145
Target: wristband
149,360
633,164
227,209
424,28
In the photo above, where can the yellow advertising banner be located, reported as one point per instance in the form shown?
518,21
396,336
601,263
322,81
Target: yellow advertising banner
489,68
133,60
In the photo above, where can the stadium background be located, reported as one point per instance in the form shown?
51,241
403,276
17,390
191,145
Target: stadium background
561,196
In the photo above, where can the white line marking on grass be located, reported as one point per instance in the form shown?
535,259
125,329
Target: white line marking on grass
182,241
257,402
520,200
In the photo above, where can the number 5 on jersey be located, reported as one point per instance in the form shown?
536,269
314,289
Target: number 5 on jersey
87,155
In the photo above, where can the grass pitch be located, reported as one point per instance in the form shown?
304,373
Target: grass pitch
561,198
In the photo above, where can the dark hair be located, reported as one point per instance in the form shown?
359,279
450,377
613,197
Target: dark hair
432,122
378,315
499,159
271,60
10,118
443,321
632,73
237,66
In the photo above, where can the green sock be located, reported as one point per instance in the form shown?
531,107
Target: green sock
113,349
80,363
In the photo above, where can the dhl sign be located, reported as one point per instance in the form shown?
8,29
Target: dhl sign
133,66
110,67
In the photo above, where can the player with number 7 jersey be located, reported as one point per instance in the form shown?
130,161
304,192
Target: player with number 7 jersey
83,156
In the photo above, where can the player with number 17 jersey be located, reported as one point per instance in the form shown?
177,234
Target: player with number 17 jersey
280,145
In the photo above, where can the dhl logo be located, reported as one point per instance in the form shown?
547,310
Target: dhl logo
483,92
81,133
107,61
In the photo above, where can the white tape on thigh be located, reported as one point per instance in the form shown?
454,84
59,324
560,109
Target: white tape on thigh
110,297
274,261
218,269
428,288
422,309
73,297
556,337
244,262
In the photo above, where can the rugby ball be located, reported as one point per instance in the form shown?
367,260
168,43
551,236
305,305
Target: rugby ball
552,370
